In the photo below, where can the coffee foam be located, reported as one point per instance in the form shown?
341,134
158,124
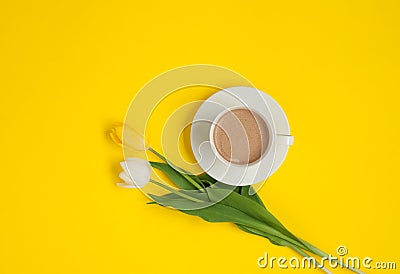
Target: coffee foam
241,136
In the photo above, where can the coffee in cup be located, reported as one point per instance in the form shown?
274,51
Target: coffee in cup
240,136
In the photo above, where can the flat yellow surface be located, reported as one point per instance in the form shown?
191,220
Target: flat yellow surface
69,69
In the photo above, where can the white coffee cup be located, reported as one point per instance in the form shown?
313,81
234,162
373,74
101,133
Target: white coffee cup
204,145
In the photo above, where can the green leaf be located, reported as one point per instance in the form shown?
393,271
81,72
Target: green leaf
174,175
193,193
261,234
225,212
243,203
177,202
249,207
245,191
195,178
182,176
205,177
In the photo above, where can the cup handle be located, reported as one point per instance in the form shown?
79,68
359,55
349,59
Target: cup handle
286,140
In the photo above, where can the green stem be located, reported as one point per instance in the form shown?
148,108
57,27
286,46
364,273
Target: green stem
281,242
157,154
183,195
304,254
299,249
193,182
319,252
267,232
182,172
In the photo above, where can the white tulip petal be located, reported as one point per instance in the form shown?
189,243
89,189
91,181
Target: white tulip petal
137,170
126,178
131,159
124,167
123,185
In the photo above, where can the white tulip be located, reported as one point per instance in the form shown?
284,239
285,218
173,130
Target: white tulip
136,173
128,137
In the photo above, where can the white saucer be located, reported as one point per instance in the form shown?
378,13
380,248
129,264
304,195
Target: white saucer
245,97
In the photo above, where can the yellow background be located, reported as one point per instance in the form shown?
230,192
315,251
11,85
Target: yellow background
68,70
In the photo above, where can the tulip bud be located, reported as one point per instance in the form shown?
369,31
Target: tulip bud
136,173
127,137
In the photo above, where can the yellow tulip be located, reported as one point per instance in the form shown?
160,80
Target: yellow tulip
128,137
